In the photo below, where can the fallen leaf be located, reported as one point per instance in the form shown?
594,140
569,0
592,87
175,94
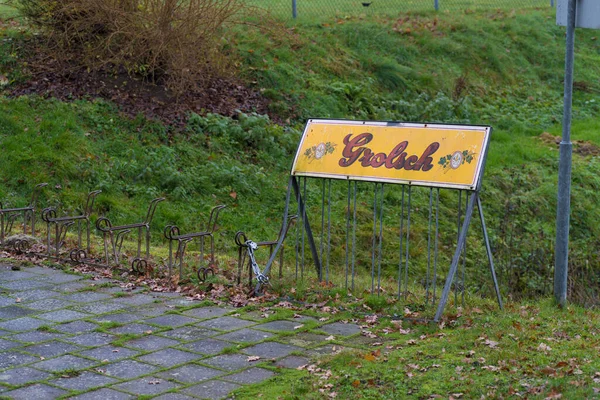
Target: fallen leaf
253,358
544,347
329,338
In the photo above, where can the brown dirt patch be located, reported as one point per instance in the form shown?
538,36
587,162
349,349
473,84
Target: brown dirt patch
581,147
66,79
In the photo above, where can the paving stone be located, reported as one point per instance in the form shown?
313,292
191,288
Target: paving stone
135,300
36,336
37,391
292,362
5,333
123,318
74,286
49,304
165,295
51,349
146,386
128,369
271,350
99,307
246,336
34,295
20,285
341,329
305,318
212,389
76,327
169,357
279,326
62,278
137,329
63,315
154,310
228,362
22,324
191,373
11,358
86,297
36,269
180,301
173,320
225,323
207,312
110,353
325,350
173,396
103,394
11,312
11,275
189,333
305,339
150,343
93,339
8,344
250,376
19,376
64,362
6,301
207,346
85,381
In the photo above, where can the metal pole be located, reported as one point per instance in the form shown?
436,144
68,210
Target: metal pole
561,255
456,257
295,9
436,5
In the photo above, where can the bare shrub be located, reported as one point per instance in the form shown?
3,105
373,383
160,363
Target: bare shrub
174,42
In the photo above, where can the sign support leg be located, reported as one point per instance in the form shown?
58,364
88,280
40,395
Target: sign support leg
311,241
456,258
489,252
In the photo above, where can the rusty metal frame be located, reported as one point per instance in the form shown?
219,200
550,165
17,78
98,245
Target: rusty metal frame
9,215
117,235
62,225
173,234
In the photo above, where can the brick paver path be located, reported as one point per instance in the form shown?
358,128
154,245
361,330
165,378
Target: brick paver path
67,336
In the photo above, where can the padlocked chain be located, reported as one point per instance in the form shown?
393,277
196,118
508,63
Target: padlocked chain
260,277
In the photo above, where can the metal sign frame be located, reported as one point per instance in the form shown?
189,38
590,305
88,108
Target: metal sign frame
474,200
486,130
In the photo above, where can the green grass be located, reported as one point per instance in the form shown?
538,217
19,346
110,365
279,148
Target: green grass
530,349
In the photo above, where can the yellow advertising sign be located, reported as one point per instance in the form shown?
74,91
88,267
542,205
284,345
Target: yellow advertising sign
416,154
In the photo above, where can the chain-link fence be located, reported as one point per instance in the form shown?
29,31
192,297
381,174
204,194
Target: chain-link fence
318,9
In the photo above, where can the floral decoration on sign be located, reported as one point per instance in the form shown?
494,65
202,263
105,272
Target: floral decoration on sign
319,151
456,159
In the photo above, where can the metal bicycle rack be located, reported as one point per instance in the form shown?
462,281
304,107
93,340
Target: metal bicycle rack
173,233
118,233
243,243
62,225
8,217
